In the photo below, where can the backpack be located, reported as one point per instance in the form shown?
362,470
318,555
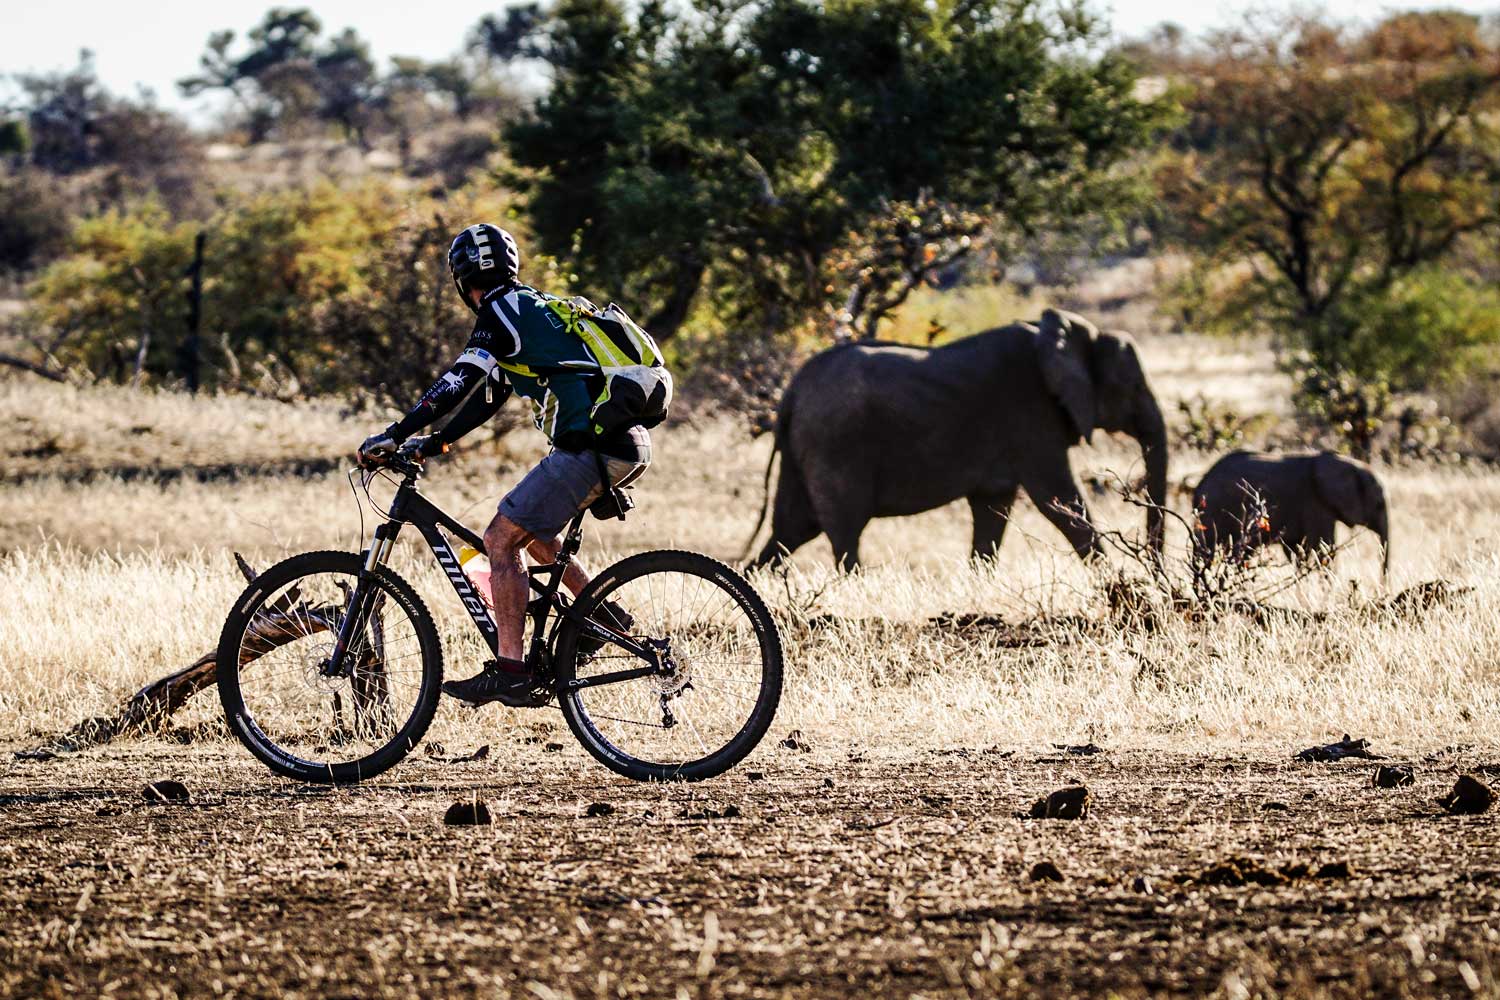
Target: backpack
637,387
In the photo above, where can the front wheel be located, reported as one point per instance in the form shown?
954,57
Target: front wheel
721,684
279,696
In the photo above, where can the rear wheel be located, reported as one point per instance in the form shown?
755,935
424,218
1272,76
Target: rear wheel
717,698
278,697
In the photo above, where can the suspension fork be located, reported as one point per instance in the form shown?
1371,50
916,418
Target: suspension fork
359,602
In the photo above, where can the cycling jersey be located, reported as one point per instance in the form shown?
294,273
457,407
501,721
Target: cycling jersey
518,344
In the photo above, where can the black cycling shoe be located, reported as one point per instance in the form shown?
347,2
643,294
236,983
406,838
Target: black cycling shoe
505,681
610,615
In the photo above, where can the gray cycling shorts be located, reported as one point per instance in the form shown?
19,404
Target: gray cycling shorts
561,485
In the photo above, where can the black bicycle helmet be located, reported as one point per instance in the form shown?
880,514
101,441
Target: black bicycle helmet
483,257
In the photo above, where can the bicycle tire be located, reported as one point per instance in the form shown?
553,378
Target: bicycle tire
278,579
611,582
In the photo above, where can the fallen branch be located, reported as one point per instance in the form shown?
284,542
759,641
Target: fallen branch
33,367
148,709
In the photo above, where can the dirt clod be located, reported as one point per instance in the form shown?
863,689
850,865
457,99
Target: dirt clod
1065,803
166,791
599,809
1241,871
709,812
1469,797
472,813
755,776
796,741
1271,805
1045,871
1142,884
1079,750
552,748
1393,776
1336,870
1341,750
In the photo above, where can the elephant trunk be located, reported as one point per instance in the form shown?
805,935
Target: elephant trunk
1151,432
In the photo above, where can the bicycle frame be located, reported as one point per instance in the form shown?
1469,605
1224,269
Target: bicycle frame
409,506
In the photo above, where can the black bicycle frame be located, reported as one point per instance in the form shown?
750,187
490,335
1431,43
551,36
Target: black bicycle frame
410,507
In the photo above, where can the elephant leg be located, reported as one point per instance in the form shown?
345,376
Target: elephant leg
844,536
991,514
1056,495
793,522
790,530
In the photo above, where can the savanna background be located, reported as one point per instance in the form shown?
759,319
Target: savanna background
1295,215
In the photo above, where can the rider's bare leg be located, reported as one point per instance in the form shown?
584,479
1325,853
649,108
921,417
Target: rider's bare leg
545,550
510,587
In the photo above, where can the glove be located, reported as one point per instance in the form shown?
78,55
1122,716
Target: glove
425,446
377,446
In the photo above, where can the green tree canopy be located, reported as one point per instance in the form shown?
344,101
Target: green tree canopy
731,153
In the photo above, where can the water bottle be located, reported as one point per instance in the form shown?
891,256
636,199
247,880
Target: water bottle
477,568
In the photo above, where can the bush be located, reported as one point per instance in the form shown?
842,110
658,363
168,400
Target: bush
35,218
1353,409
312,291
1426,328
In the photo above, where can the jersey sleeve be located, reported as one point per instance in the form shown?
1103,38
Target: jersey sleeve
473,368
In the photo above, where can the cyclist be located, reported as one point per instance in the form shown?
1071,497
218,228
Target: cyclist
520,343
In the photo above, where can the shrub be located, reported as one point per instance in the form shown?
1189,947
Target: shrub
35,217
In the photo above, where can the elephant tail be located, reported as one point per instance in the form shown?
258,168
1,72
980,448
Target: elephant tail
765,498
778,444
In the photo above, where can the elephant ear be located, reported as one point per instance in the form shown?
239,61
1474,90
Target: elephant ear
1063,348
1337,481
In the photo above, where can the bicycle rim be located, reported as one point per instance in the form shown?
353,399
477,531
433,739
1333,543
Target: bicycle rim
282,701
718,698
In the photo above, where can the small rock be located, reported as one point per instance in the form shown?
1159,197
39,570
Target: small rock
552,748
708,812
1081,750
1271,805
599,809
474,813
108,811
755,776
795,741
1469,797
1336,869
1065,803
1045,871
1393,776
827,782
166,791
435,749
1142,884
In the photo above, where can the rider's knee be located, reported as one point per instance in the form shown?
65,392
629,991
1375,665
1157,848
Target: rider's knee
504,537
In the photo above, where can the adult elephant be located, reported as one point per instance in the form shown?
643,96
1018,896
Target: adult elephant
883,430
1300,498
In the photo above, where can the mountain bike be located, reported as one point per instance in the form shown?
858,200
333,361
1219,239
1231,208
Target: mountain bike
330,665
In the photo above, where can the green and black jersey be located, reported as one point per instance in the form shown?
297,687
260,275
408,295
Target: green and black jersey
520,343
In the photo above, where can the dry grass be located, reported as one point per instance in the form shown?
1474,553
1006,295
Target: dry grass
112,583
888,861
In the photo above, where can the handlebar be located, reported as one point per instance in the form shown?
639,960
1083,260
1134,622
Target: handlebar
407,463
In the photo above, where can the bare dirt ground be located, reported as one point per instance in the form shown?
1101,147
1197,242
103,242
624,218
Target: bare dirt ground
833,872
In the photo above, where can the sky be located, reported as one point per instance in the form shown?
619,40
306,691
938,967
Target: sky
155,44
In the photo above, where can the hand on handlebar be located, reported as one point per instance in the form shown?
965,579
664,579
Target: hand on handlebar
381,449
375,449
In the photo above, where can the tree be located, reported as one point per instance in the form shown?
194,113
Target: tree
741,148
73,125
284,76
1324,174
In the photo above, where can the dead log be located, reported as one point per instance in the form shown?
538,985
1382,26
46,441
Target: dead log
148,710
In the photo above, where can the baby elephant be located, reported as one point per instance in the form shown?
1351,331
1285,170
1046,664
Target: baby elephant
1304,495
